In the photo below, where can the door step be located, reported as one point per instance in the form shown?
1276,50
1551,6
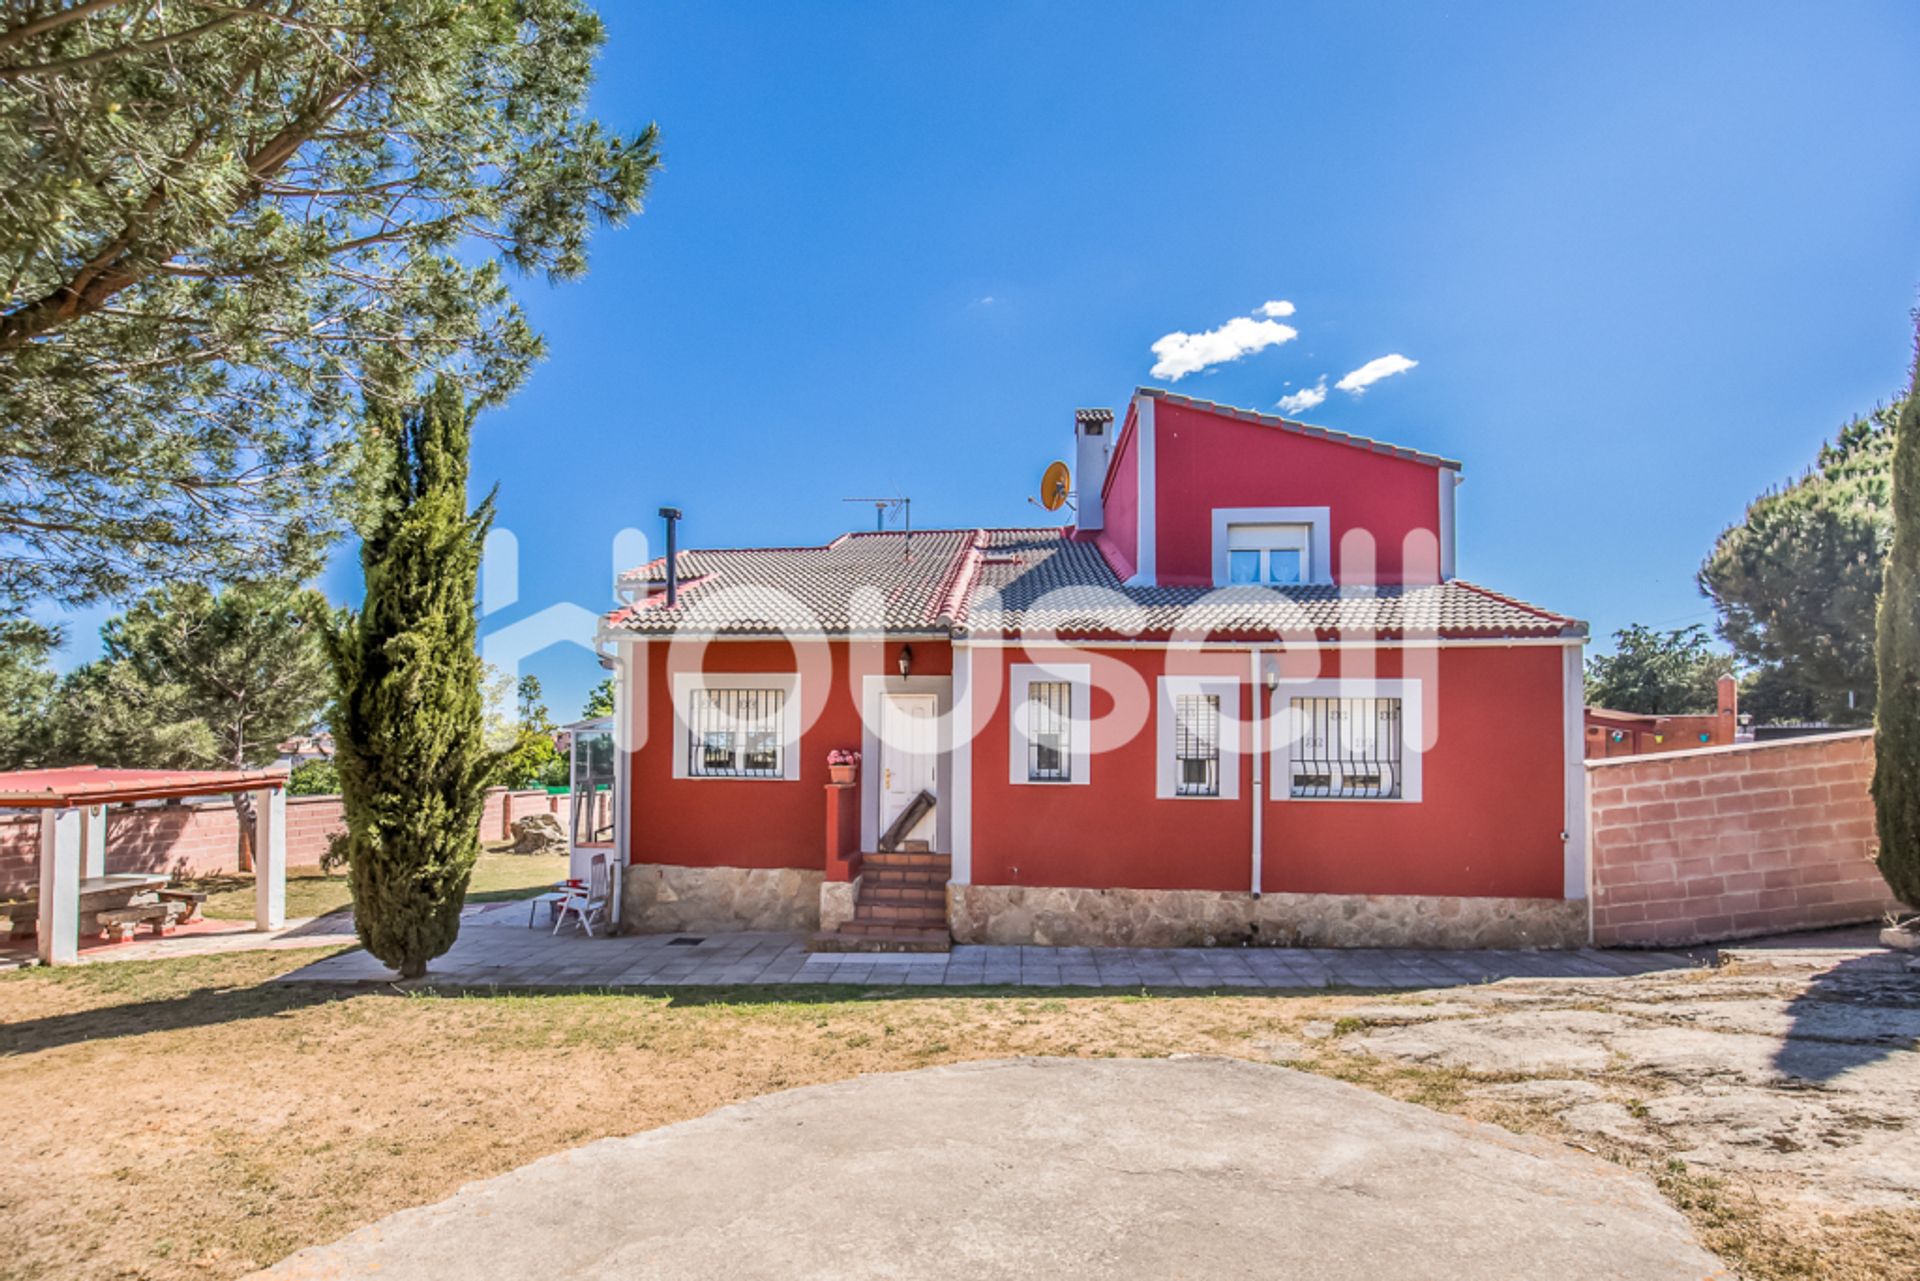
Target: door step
865,936
901,907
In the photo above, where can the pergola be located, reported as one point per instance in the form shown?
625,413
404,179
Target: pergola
73,835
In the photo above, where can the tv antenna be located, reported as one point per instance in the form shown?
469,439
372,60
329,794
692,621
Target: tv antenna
883,509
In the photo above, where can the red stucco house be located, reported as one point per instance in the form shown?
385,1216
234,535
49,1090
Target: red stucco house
1244,698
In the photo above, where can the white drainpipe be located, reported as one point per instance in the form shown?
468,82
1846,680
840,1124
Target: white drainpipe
1259,766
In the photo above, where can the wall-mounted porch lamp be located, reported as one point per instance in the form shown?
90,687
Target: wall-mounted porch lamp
906,659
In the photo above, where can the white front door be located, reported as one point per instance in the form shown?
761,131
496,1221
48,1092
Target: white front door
909,754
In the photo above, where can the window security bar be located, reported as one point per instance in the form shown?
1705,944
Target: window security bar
1347,748
1049,731
736,733
1196,720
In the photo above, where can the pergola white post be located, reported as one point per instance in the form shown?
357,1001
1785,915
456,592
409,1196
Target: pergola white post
269,859
93,840
58,937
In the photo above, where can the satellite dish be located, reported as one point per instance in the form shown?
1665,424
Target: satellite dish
1053,487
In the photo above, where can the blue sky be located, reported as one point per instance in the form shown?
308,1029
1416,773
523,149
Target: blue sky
1646,258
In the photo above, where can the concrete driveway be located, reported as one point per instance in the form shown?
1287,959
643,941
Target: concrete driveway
1047,1168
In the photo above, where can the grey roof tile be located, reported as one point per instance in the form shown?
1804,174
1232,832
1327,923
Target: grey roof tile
1023,581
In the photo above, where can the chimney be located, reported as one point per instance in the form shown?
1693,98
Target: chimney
672,515
1092,446
1727,704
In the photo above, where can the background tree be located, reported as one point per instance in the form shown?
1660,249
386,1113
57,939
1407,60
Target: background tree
314,778
1658,673
599,700
26,693
528,758
1896,739
193,678
226,225
407,724
1797,580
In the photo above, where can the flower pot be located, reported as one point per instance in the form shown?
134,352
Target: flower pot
841,773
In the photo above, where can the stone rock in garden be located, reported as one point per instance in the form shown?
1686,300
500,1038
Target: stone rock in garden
538,834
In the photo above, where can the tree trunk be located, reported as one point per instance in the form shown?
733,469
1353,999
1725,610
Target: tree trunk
413,967
243,813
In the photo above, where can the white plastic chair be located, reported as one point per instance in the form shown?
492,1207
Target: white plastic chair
588,903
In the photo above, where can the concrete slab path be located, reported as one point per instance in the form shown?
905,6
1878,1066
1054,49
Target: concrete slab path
498,951
1046,1168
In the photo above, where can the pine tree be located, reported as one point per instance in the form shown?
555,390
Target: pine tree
1896,739
224,224
407,721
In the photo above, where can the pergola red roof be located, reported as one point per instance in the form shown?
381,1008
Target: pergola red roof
90,785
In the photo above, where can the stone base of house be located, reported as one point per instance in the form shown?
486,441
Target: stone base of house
659,897
837,899
1064,917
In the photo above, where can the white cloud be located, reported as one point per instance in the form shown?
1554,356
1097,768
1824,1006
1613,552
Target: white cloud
1299,402
1373,371
1281,309
1181,354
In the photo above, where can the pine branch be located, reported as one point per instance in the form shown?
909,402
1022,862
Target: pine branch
14,36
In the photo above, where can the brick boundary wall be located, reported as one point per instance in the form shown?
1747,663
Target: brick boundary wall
201,839
1730,842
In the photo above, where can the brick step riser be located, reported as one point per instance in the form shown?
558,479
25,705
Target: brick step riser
901,886
915,917
877,930
902,881
922,861
903,894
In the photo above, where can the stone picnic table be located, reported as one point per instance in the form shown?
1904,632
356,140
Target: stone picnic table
116,903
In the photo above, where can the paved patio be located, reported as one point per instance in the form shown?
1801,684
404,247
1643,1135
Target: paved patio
497,950
196,938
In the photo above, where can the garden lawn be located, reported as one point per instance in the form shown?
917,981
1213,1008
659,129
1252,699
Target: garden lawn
497,877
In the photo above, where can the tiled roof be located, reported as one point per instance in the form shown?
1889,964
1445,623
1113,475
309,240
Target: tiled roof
1028,583
891,581
1017,581
1303,429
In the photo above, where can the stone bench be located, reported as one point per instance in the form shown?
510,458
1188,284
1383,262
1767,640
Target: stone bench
118,924
192,899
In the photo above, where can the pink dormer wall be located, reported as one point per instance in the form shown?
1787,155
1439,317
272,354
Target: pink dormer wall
1121,500
1202,460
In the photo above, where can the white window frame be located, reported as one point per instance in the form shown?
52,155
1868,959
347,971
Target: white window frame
1318,522
686,684
1280,788
1166,735
1079,679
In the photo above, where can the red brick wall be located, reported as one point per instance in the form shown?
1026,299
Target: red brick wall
199,840
1728,842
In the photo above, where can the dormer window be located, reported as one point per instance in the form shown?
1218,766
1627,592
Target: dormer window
1272,546
1272,554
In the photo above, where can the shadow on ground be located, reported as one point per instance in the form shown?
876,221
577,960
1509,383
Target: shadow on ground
1857,1012
200,1008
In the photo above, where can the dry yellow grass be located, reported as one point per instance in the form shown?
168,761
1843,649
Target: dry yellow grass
189,1119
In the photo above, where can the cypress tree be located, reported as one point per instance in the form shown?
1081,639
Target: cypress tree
1896,738
407,718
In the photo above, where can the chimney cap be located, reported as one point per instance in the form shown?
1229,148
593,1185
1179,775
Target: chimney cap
1092,417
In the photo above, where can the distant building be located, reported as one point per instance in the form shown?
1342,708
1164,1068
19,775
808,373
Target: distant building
1611,733
304,748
